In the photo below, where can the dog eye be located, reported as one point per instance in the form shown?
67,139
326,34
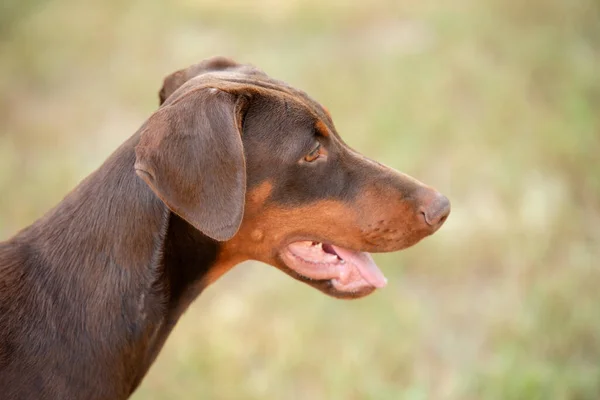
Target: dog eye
314,154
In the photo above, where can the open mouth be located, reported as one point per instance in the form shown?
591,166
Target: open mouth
347,270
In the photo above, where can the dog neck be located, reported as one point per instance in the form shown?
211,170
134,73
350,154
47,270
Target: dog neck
118,271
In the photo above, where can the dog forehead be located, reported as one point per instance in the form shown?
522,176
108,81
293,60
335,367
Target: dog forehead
276,113
250,81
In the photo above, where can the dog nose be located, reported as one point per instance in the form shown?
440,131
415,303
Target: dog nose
435,209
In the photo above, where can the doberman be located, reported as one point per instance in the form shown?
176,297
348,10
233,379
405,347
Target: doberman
233,166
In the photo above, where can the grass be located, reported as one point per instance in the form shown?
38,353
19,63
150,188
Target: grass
493,102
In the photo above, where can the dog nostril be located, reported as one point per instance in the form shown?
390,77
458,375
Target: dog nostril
424,216
436,211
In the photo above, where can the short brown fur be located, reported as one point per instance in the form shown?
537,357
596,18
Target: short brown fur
90,292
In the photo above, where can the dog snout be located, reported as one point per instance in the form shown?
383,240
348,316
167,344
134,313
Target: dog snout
435,208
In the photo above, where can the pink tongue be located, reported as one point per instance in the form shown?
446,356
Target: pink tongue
365,265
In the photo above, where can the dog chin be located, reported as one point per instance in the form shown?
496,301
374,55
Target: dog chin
327,287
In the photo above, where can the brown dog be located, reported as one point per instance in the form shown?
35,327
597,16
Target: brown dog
233,166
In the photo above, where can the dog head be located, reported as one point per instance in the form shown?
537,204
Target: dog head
259,166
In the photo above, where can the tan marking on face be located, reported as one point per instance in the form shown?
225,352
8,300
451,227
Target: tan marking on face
226,260
378,220
321,128
282,224
257,196
257,235
276,225
373,223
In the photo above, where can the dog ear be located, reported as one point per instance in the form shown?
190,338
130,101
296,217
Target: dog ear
191,155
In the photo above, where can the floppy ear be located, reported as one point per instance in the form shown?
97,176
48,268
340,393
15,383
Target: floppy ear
190,154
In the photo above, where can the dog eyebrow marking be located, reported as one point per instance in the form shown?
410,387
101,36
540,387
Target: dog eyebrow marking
321,128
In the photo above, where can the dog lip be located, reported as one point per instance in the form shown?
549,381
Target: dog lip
347,270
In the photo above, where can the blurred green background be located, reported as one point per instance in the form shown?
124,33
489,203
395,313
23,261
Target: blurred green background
496,103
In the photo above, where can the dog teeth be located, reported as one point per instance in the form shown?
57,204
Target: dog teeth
330,257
